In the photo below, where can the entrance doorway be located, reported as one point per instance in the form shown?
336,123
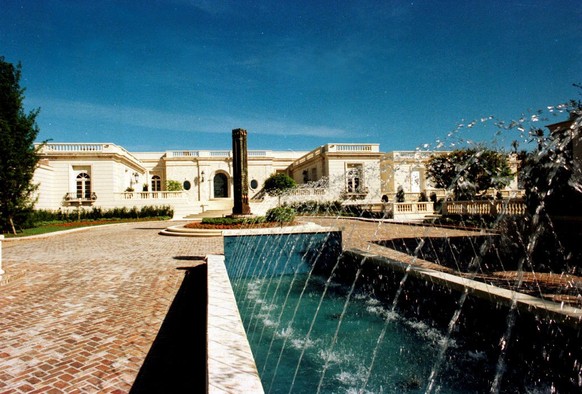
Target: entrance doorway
220,186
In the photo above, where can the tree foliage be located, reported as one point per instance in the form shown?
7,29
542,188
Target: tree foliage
470,172
174,186
18,155
551,174
277,184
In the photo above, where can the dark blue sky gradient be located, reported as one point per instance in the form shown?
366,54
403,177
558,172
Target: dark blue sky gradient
182,74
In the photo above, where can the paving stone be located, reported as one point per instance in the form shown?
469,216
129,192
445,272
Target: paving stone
86,312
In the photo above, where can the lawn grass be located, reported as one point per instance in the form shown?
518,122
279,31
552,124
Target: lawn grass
62,226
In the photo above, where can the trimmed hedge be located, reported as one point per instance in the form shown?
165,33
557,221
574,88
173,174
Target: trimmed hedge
477,221
335,208
331,208
233,221
43,216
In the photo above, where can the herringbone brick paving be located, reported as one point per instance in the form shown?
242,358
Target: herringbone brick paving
89,306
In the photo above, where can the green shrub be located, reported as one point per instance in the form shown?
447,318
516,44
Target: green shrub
225,221
43,216
327,208
282,214
335,208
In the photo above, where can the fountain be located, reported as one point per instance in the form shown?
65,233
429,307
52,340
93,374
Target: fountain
423,333
419,314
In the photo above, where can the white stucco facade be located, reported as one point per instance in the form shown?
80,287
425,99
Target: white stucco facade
105,175
346,171
407,170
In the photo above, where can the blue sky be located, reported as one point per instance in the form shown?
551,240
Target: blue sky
181,74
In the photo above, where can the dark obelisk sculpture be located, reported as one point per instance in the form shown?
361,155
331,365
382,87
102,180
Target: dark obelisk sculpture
240,170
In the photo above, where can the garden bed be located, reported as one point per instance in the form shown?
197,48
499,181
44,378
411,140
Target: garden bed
235,226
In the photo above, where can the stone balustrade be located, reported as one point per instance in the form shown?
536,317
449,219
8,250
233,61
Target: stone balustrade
320,191
343,148
86,149
416,207
214,153
72,147
485,207
353,148
162,195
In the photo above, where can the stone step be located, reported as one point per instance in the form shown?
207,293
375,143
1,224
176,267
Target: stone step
180,231
209,214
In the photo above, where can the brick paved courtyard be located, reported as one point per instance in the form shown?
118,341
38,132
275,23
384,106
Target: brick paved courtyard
85,313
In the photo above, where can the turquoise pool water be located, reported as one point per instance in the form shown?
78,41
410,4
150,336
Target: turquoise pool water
292,338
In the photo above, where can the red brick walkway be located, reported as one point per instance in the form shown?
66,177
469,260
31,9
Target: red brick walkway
89,306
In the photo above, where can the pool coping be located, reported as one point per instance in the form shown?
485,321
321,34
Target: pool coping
563,314
231,365
307,227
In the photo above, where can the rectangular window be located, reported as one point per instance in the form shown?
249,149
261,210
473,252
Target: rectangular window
415,181
83,186
156,183
354,178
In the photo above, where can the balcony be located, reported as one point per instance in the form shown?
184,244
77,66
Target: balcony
71,199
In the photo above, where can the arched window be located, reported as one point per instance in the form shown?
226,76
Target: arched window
156,183
84,186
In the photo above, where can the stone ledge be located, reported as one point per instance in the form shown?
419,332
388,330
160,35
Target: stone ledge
181,231
562,314
231,365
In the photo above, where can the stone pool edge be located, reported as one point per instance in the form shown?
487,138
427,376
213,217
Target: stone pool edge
562,314
231,365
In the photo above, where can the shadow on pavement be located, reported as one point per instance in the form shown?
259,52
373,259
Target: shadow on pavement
176,362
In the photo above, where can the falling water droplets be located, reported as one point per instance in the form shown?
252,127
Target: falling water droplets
291,309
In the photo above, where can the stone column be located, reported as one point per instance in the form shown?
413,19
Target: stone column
240,172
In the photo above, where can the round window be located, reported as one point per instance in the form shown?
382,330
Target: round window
254,184
187,185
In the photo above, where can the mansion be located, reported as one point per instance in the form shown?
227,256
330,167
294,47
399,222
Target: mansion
105,175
